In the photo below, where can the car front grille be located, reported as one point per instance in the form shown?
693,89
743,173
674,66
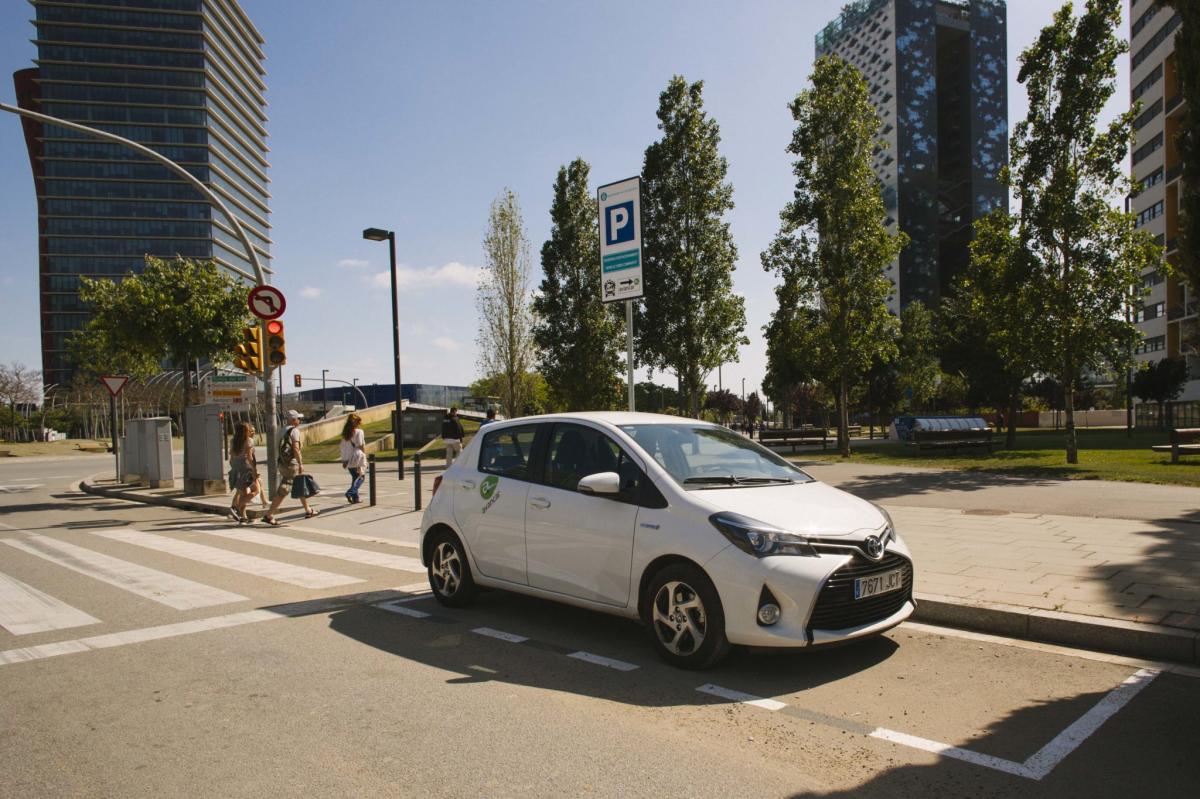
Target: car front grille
837,609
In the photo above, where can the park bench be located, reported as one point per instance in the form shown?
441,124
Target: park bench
952,440
795,436
1184,441
89,447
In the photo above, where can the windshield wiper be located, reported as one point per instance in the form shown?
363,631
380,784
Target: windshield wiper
729,479
726,479
754,480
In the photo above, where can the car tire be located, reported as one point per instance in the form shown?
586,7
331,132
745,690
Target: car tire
450,573
682,612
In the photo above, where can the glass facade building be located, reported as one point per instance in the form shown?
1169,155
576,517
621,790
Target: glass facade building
183,77
937,75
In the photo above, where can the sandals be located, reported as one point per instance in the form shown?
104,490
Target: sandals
308,514
271,520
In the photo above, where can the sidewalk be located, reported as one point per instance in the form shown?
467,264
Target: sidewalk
1016,559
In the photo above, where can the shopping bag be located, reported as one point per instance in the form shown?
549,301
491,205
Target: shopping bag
304,486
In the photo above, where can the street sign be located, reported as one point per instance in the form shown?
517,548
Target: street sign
231,392
114,383
266,302
620,206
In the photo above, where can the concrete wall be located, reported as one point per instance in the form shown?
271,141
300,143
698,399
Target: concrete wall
326,429
1106,418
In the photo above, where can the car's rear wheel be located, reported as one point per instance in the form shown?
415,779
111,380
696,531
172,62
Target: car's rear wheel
449,573
683,614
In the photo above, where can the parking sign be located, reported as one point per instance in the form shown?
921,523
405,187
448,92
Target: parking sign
620,240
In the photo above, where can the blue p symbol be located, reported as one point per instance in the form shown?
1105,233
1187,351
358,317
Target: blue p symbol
620,223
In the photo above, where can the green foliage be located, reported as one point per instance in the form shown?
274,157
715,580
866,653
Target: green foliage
577,336
724,403
532,388
654,398
176,310
918,370
1161,382
832,246
1085,256
691,321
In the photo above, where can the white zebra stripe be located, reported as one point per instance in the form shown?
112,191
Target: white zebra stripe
25,610
365,556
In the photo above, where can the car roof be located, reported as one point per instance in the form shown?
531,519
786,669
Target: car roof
615,418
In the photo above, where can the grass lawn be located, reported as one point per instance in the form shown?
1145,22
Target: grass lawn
1104,454
329,451
66,447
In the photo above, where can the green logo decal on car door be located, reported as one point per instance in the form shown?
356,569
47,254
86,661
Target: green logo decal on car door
488,487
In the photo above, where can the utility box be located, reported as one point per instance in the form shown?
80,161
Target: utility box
158,464
131,451
203,468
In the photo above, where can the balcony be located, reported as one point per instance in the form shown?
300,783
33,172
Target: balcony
1174,172
1177,312
1173,102
1172,244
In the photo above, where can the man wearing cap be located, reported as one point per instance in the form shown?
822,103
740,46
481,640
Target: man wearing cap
289,470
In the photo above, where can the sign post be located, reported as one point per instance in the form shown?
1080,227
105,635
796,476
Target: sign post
620,208
267,303
114,384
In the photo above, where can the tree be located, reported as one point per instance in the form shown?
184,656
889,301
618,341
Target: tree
1161,382
180,310
691,321
753,408
1086,256
535,393
724,403
19,385
918,371
505,321
832,245
1187,140
577,337
656,398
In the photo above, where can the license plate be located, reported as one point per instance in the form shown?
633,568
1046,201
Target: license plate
879,584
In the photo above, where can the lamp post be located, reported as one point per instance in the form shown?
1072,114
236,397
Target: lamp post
377,234
324,401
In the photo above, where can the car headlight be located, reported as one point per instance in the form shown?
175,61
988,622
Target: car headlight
889,529
758,538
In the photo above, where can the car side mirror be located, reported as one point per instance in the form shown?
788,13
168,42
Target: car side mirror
600,483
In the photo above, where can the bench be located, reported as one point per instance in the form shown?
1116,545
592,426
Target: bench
1184,441
952,440
93,448
795,436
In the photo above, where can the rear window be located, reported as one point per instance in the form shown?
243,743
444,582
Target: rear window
506,451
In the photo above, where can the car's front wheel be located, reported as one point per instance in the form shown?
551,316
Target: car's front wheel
449,573
683,615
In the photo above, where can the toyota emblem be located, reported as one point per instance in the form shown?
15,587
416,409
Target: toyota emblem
873,547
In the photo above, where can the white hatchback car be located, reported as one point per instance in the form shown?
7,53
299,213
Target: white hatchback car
704,535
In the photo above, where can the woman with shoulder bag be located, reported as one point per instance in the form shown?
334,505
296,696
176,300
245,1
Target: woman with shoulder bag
354,459
243,471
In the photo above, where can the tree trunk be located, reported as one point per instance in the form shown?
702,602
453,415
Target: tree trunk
1069,402
843,418
1014,403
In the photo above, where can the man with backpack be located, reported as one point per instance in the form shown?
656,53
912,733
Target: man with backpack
290,465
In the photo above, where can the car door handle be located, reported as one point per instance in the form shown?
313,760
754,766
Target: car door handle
467,484
541,503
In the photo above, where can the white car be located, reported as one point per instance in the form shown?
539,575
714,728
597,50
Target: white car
704,535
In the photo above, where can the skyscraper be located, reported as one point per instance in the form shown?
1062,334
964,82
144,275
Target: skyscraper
183,77
1167,317
936,72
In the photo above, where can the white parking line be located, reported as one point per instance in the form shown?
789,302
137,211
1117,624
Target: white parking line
738,696
249,564
167,589
600,660
364,556
25,610
946,750
392,607
503,636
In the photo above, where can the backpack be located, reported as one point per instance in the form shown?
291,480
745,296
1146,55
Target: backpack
285,457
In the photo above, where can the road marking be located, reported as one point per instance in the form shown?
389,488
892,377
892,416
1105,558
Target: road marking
600,660
25,610
167,589
503,636
738,696
1053,753
248,564
946,750
370,539
19,489
363,556
393,607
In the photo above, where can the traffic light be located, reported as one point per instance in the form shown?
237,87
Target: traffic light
276,355
248,354
296,380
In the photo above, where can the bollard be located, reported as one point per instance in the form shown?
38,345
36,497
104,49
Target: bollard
417,481
371,476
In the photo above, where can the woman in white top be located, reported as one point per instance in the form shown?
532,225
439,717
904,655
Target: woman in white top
352,455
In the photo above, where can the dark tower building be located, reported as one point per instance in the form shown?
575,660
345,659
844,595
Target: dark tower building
937,75
183,77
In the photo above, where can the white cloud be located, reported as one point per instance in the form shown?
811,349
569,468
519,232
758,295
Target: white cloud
446,343
450,274
353,263
311,292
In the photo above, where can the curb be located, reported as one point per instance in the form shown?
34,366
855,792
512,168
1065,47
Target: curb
1135,639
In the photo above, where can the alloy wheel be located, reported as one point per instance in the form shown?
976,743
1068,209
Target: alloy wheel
446,569
679,619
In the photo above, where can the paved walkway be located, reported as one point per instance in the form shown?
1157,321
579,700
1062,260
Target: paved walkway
1110,566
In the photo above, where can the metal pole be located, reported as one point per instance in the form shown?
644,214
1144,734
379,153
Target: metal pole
417,481
397,416
629,350
112,419
324,401
371,477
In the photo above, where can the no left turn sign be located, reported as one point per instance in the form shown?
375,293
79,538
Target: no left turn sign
267,302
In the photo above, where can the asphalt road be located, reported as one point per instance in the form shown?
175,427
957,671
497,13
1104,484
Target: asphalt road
213,661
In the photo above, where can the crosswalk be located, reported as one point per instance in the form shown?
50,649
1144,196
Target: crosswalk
26,609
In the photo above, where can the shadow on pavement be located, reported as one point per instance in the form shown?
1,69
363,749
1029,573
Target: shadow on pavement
908,483
1159,584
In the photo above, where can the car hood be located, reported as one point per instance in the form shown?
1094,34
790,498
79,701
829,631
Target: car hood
814,508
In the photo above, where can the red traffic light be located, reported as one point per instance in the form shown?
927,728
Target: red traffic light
274,328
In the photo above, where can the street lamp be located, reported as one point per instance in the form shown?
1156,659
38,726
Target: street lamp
324,401
377,234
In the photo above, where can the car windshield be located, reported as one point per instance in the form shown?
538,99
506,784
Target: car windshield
705,456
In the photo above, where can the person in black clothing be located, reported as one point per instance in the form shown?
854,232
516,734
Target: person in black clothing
453,435
491,417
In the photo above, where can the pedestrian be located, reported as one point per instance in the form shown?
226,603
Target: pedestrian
290,463
354,459
243,471
491,417
452,435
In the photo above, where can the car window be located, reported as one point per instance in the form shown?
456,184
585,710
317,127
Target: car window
506,451
707,456
576,451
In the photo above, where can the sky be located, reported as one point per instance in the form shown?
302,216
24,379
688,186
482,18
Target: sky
414,116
